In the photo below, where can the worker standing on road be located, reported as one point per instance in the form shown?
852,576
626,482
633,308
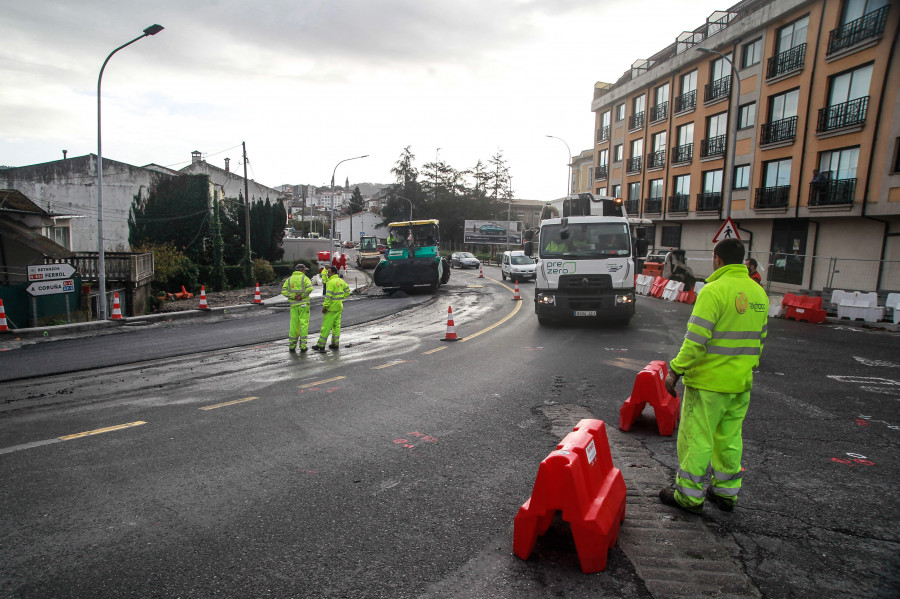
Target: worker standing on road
752,265
723,344
297,288
336,291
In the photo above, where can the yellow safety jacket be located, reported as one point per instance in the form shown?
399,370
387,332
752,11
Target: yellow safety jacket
297,288
324,275
725,333
336,291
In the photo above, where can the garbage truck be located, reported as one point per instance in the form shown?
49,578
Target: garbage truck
585,263
413,259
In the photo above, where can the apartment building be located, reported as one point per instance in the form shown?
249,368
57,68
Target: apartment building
583,172
800,145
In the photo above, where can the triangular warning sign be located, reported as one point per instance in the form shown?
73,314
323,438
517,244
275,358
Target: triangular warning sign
728,230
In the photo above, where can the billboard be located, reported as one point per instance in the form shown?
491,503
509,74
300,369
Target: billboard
493,232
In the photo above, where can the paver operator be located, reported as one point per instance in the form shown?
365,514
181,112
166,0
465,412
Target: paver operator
336,291
297,288
723,344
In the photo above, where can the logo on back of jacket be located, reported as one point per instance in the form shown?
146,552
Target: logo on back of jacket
741,303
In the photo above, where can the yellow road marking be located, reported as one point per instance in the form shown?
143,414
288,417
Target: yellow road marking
389,364
496,324
101,430
435,350
228,403
322,382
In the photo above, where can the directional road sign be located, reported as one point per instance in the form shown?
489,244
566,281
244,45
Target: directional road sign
728,230
52,287
45,272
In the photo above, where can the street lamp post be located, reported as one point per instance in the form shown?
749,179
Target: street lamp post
331,232
101,265
410,206
569,182
732,130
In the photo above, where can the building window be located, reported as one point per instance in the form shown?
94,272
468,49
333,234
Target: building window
684,148
617,191
634,190
741,177
716,135
670,236
776,184
747,116
620,112
782,125
601,191
711,197
688,98
656,188
520,213
661,106
590,177
719,85
638,105
861,20
752,53
848,100
602,170
836,180
657,156
634,163
681,199
790,49
58,234
603,131
617,153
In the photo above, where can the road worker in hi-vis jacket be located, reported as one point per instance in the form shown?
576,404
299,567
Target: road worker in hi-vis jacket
336,291
297,288
722,347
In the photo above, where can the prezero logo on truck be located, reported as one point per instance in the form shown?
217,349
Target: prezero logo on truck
559,267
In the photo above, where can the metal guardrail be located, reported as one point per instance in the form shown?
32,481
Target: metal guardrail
120,266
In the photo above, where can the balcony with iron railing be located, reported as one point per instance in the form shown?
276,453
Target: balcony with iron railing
679,203
832,193
772,197
636,121
653,206
778,131
601,171
846,114
709,201
632,207
713,146
866,28
786,62
686,102
633,164
682,154
656,159
603,134
119,266
659,112
718,89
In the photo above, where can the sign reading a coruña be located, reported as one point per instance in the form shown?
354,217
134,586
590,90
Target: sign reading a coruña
46,272
52,287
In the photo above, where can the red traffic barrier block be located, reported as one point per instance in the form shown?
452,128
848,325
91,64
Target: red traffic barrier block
803,308
687,297
659,285
579,480
650,388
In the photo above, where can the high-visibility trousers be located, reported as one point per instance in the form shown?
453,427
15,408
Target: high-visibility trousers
331,323
710,431
299,325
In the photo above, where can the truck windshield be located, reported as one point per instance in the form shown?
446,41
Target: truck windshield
521,260
368,243
585,240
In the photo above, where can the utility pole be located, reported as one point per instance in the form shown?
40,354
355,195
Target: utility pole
247,267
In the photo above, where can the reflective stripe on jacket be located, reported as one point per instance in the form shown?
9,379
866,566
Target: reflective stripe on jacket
336,290
725,333
297,288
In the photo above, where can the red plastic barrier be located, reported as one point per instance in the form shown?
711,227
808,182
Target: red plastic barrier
325,256
687,297
650,387
803,308
578,478
654,269
659,285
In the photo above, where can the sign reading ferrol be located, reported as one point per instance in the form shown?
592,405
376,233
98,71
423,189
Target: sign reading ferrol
46,272
52,287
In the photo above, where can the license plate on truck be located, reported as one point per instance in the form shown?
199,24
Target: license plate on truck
585,313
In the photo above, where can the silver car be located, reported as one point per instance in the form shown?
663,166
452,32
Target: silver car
464,260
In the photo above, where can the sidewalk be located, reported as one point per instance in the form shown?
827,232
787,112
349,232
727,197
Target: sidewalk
359,281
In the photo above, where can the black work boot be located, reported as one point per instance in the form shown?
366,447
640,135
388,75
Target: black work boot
720,502
667,496
318,348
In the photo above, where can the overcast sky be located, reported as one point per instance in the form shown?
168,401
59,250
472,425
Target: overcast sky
308,83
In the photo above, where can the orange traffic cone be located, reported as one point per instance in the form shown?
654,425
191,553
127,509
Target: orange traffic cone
256,298
117,309
481,272
203,304
451,330
517,297
3,326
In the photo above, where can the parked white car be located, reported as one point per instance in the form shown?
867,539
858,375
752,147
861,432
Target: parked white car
517,266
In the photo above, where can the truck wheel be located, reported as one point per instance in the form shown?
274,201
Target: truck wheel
503,275
543,321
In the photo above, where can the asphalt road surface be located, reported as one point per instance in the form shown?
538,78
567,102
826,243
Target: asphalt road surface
395,466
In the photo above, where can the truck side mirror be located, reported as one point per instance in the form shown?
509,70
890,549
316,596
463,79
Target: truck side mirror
529,248
529,234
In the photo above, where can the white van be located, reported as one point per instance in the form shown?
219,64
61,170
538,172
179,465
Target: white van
517,266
